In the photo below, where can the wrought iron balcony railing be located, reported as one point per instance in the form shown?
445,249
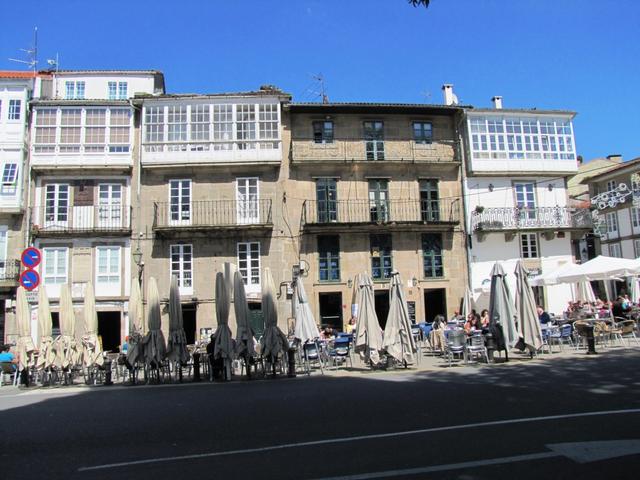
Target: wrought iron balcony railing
212,214
381,212
62,219
513,218
9,271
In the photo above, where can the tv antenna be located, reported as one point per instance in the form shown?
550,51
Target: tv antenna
32,53
54,63
426,94
322,93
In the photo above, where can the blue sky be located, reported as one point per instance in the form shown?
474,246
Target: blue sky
582,55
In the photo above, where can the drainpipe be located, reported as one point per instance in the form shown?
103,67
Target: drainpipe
465,205
26,162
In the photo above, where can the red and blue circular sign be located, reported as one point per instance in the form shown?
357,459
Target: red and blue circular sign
29,279
31,257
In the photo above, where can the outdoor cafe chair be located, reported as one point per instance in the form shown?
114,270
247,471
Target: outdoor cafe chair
312,354
476,347
455,344
339,352
627,330
9,370
561,335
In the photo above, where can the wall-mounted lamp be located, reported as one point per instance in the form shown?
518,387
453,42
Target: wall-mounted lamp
491,187
414,281
349,283
550,187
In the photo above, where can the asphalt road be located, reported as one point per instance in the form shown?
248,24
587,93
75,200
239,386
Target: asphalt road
504,421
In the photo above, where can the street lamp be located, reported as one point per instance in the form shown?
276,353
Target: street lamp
137,258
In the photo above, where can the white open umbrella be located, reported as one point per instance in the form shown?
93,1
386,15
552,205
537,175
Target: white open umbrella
244,332
600,268
46,356
91,351
155,350
25,346
177,342
273,343
368,339
223,346
398,338
306,328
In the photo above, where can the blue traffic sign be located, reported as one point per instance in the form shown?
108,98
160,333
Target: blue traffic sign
29,279
31,257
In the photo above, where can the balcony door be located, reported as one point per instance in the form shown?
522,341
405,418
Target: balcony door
379,200
525,201
374,140
56,205
247,200
327,198
3,251
429,201
110,205
180,202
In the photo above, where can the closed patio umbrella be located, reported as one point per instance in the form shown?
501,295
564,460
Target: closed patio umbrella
502,312
177,342
467,303
223,346
135,351
67,351
368,339
91,351
244,332
25,346
398,338
46,355
305,328
155,350
528,322
634,290
273,342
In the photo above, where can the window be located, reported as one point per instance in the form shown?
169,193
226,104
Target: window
379,200
95,128
55,265
177,123
113,90
246,126
223,126
268,124
119,127
636,248
9,177
199,123
374,140
327,198
154,124
611,185
525,200
429,201
56,202
15,109
615,250
181,266
432,255
323,132
529,245
249,264
45,129
423,133
635,217
247,200
381,264
3,248
122,90
612,222
70,130
108,265
329,258
110,205
180,201
74,90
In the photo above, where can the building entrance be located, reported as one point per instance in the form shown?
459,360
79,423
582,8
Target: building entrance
382,306
109,329
435,303
330,310
189,322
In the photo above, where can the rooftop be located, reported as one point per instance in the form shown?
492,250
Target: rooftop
346,107
613,171
528,111
22,74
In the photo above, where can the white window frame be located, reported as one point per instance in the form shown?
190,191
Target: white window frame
104,281
611,185
612,223
74,89
252,282
9,178
615,250
60,213
185,284
635,217
4,239
57,277
636,247
527,251
110,211
179,220
14,112
247,204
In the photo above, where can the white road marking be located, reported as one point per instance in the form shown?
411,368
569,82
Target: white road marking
337,440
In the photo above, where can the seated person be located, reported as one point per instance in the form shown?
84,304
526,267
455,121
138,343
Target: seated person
543,316
7,357
473,323
619,308
456,316
484,318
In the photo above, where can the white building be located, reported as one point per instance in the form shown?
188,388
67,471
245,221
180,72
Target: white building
514,185
81,160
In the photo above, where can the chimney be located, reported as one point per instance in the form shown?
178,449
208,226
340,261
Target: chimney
615,157
497,102
449,97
